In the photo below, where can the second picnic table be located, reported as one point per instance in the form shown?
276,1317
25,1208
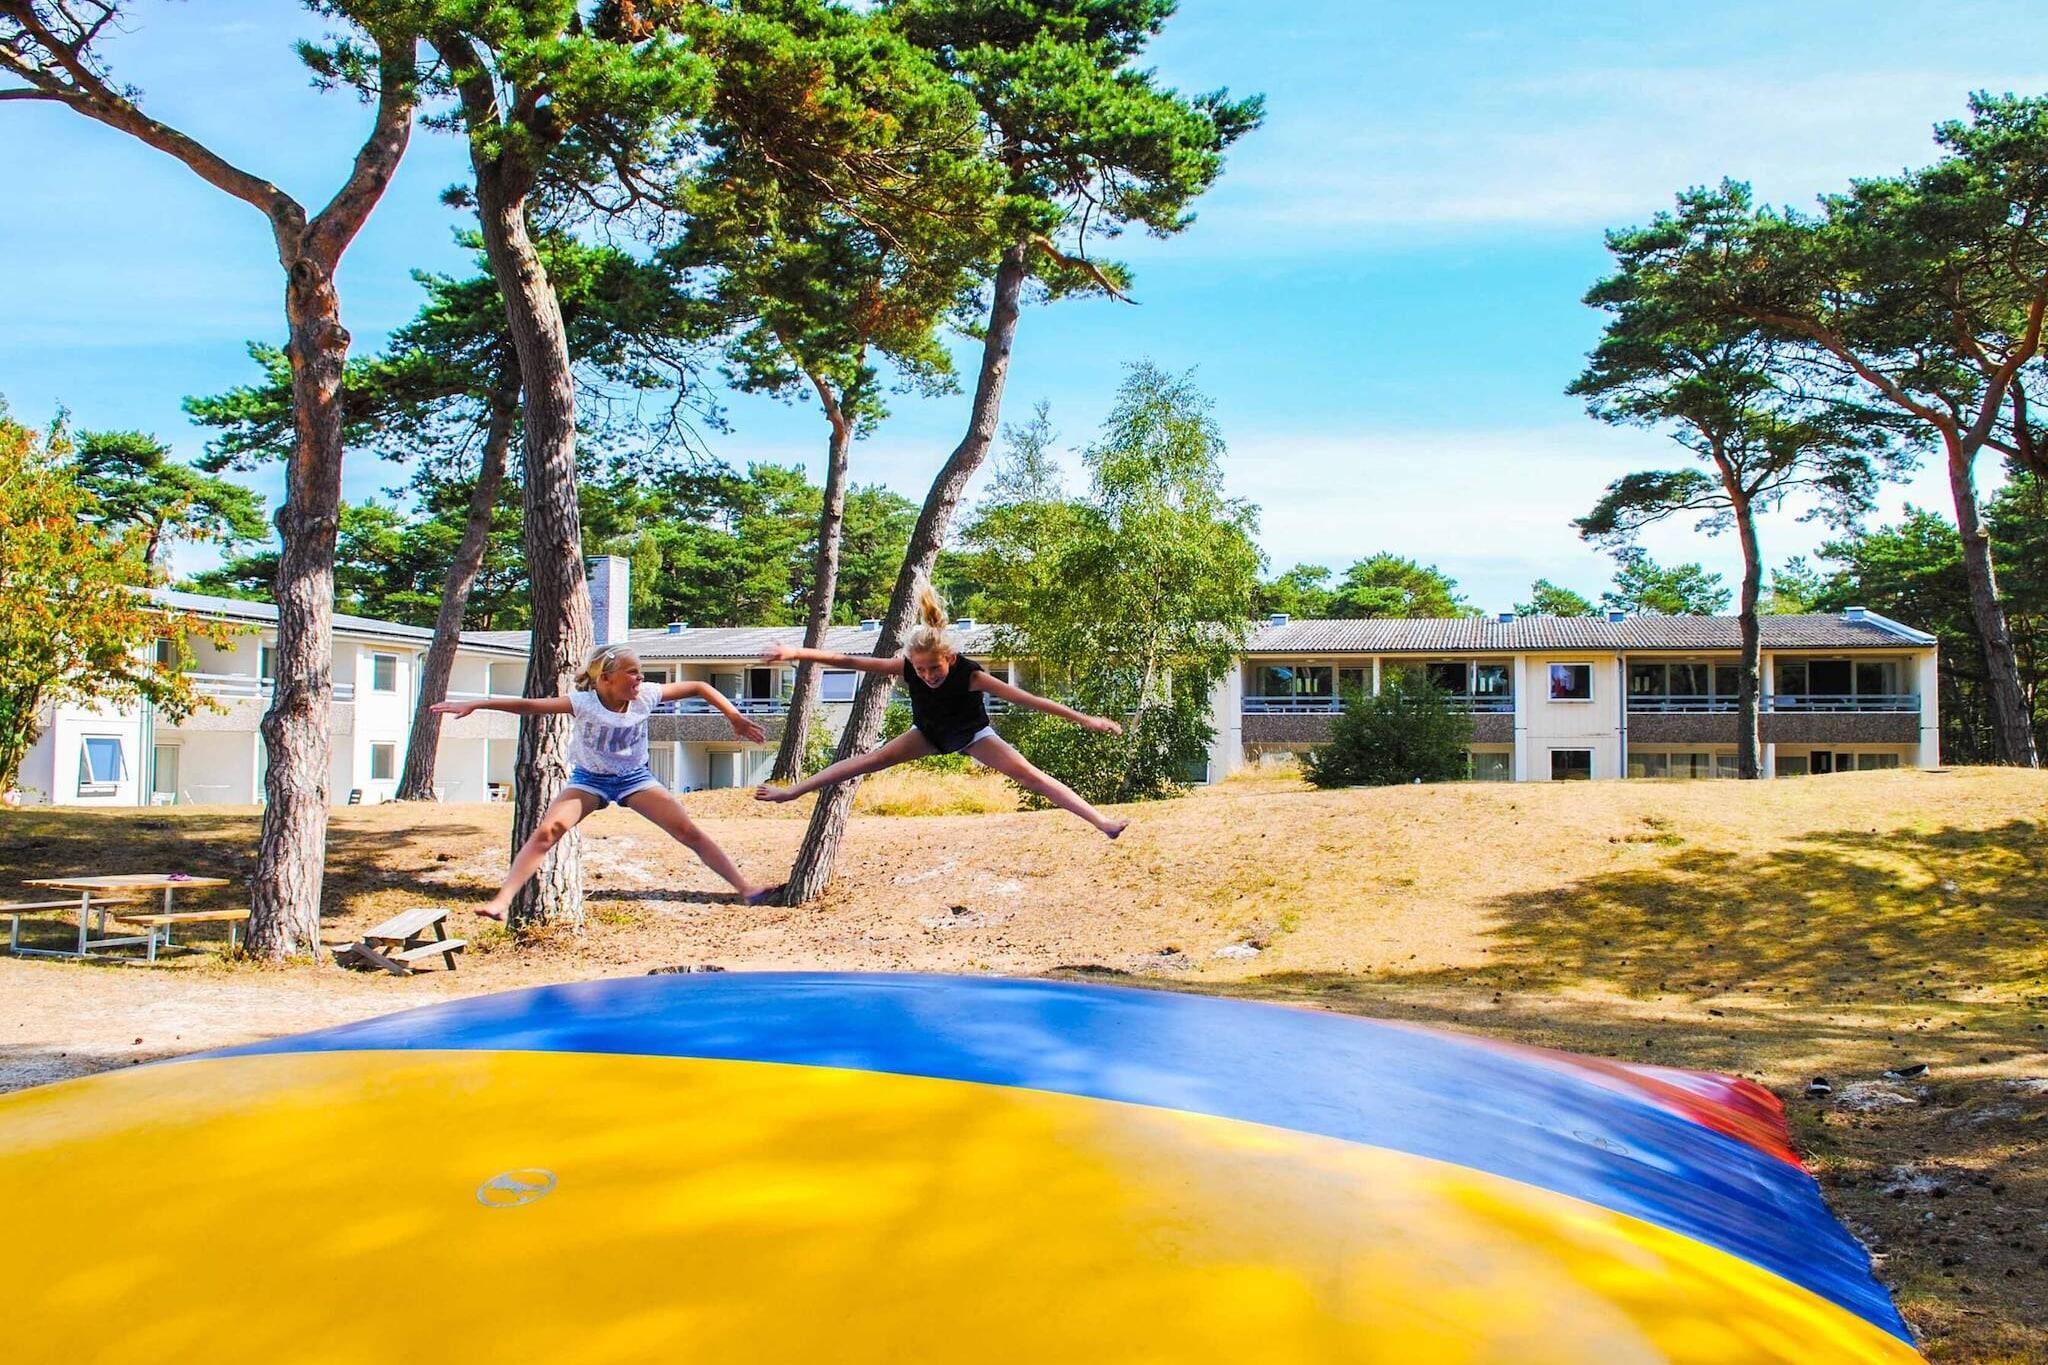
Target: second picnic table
123,887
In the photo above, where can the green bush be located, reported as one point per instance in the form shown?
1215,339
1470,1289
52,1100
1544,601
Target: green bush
1409,732
896,720
1161,747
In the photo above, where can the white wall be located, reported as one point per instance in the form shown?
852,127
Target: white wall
380,718
1593,725
70,727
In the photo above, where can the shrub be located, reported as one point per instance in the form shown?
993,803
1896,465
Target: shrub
896,720
1163,747
1408,732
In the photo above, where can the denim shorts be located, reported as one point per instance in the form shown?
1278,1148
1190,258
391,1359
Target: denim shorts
613,788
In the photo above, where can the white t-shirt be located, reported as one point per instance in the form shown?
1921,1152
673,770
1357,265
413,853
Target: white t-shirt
608,741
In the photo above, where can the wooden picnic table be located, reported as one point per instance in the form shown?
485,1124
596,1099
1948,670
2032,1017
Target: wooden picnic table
115,889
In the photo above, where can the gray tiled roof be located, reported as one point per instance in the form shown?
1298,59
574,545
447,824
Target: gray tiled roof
1490,635
265,613
1474,635
747,642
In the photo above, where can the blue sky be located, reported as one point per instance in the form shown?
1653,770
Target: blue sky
1382,294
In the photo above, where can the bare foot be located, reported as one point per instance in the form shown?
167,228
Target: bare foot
492,912
764,895
1115,827
775,794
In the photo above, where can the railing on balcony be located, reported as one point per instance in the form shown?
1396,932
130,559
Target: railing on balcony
249,685
1837,701
746,706
1329,706
1781,701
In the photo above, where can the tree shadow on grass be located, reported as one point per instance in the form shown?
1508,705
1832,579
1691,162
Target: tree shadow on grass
361,863
1847,912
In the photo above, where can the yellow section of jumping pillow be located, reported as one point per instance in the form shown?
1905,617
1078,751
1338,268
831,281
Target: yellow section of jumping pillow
346,1207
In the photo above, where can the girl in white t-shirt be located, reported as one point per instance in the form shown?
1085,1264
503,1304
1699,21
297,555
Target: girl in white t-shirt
608,763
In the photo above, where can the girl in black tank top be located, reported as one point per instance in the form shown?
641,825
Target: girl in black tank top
948,715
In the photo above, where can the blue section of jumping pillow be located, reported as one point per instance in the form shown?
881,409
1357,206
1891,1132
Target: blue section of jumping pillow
1432,1094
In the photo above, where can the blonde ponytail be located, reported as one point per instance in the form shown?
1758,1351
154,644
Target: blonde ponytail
929,635
600,664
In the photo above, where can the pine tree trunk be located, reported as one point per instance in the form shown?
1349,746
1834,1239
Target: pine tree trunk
284,906
1748,689
815,859
422,749
2011,717
803,700
553,536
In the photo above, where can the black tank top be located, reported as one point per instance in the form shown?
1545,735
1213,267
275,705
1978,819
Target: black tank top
951,714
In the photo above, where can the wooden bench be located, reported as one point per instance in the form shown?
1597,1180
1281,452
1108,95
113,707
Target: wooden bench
14,910
160,925
399,944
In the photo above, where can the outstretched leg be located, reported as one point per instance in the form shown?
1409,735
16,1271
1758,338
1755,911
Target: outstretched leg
562,815
666,812
907,746
994,752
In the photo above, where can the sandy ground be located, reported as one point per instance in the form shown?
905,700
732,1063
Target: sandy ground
1837,926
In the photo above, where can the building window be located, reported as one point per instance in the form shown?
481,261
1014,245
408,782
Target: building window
383,672
1727,681
1488,765
166,652
1491,680
100,761
383,762
1354,682
1880,679
1455,679
1571,682
1872,762
839,684
266,662
1792,765
1571,765
1648,765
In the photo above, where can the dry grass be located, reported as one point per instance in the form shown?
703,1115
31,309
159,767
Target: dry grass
1832,926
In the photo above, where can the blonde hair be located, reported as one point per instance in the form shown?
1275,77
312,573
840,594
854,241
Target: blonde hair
929,635
602,663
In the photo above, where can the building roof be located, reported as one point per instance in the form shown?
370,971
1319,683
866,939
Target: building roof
748,642
1854,629
511,642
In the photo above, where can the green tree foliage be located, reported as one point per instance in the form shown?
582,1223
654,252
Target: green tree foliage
1132,601
1642,585
1727,395
1915,301
710,547
1303,592
1548,599
1388,585
74,626
1795,588
1912,570
1409,731
135,481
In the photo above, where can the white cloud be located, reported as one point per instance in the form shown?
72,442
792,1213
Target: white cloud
1584,147
1492,508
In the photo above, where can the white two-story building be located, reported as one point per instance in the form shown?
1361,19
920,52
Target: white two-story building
1551,699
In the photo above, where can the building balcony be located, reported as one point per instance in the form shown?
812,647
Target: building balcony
1804,702
249,685
1330,706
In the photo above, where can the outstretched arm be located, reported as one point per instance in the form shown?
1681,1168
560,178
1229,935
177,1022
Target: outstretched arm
1017,696
741,726
518,706
866,663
